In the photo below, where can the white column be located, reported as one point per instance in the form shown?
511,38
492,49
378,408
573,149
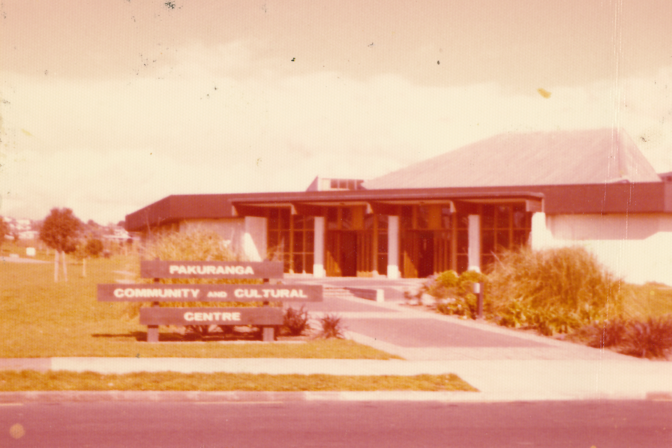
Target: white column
254,238
393,247
318,255
475,243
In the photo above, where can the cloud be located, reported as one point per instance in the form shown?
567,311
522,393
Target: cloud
108,147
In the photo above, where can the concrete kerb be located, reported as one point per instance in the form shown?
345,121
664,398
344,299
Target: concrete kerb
283,397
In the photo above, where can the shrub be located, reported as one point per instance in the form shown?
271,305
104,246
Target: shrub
606,334
649,339
295,321
454,294
553,290
332,327
94,247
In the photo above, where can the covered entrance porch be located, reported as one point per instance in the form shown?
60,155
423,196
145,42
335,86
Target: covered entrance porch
395,237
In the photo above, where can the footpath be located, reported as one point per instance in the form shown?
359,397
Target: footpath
503,364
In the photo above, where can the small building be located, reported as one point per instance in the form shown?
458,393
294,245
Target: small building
458,211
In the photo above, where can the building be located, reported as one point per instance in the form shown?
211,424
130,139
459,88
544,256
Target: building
456,211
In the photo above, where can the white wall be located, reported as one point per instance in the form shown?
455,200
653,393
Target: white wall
254,239
637,247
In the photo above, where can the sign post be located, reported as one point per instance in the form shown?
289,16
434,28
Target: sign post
266,317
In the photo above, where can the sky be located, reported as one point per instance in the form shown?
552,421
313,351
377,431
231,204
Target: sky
108,106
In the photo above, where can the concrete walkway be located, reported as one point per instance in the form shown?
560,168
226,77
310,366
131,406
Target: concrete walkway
505,365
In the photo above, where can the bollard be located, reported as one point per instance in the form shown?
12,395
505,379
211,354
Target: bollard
478,290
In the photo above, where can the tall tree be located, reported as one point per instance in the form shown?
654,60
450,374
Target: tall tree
59,231
4,230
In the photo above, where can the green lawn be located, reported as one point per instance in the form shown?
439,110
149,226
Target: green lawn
41,318
12,381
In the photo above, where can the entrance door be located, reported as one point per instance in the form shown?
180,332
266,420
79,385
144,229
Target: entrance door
348,261
425,242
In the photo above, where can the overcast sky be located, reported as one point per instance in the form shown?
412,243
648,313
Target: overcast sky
108,106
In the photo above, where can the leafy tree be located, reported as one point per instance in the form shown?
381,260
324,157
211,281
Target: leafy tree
94,247
4,230
59,232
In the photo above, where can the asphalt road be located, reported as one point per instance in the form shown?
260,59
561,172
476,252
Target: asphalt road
326,424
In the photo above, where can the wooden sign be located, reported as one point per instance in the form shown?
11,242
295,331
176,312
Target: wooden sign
264,316
156,292
210,269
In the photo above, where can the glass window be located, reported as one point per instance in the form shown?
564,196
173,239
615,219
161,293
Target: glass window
406,217
488,242
332,218
298,242
503,213
422,217
298,263
462,242
502,239
446,217
346,219
488,217
382,242
462,220
382,222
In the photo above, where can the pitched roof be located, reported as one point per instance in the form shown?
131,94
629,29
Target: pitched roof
539,158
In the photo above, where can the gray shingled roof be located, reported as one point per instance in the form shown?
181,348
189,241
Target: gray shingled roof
539,158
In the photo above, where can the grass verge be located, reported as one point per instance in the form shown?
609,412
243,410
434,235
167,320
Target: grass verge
27,380
41,319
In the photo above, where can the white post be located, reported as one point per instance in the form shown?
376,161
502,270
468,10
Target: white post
475,243
55,265
393,247
318,245
65,267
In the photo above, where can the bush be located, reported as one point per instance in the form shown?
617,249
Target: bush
295,321
648,339
332,327
606,334
94,247
553,290
454,294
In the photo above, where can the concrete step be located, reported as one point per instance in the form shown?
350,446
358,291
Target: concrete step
336,292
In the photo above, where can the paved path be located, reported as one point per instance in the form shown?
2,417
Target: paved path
20,260
505,365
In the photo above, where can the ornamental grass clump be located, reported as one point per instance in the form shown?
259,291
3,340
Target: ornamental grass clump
332,327
295,321
651,338
552,290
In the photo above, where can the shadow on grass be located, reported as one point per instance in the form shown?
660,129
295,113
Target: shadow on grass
141,336
137,335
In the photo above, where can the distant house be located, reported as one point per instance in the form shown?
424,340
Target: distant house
592,188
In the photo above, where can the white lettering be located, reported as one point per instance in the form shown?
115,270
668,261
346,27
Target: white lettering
217,294
189,316
118,293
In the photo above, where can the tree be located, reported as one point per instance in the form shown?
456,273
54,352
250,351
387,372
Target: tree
4,230
59,232
94,247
